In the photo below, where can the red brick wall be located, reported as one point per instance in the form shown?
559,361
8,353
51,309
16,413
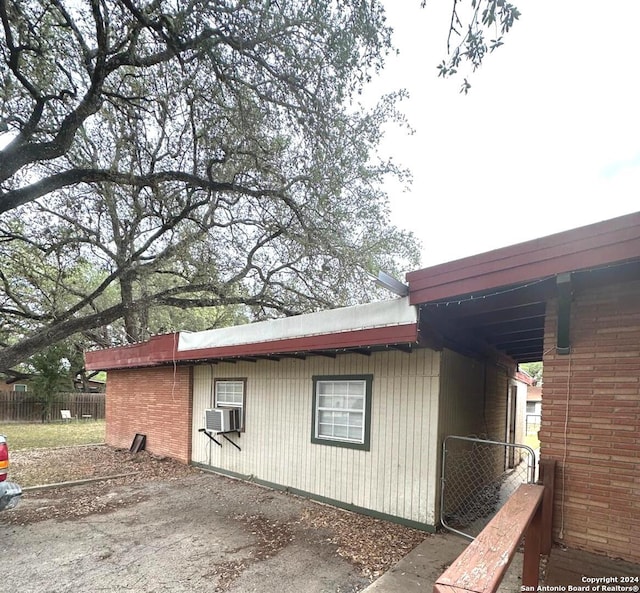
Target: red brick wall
155,402
601,376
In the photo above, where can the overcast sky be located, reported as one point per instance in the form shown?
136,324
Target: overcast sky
547,139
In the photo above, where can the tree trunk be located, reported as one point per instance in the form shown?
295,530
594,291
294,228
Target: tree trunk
20,352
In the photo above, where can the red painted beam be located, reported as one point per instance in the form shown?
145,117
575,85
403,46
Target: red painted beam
136,355
163,349
594,245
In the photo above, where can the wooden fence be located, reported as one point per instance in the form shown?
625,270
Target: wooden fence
22,406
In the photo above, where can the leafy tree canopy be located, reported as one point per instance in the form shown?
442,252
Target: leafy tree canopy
477,28
534,369
159,157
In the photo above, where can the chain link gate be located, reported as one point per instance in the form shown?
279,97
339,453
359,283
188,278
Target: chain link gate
478,477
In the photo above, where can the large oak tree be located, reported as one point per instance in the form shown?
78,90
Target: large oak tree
186,155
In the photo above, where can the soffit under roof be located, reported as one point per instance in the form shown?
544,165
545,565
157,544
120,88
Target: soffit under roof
510,320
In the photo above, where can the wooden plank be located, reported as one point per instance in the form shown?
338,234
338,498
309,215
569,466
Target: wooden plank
481,567
531,560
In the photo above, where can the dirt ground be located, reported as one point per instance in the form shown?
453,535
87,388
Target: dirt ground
169,527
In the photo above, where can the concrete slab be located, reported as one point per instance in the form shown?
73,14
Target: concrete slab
417,571
575,567
202,533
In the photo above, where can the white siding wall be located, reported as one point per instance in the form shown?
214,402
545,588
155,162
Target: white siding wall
462,396
397,477
202,400
462,410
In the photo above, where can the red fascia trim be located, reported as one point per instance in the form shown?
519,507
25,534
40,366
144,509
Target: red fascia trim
396,334
163,349
158,348
594,245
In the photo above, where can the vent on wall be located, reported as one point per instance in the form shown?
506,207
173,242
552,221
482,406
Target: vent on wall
222,419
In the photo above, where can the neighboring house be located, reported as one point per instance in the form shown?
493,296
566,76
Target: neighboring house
25,384
14,384
534,409
92,385
351,405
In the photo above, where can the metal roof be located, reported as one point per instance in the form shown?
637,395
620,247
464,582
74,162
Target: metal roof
362,329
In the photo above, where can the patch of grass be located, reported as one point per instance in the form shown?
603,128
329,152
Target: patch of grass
57,434
532,441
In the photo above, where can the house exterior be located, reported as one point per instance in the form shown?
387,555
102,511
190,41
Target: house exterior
571,300
12,384
351,406
25,384
347,406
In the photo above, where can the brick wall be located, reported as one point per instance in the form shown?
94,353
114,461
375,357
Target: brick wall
496,398
155,402
601,378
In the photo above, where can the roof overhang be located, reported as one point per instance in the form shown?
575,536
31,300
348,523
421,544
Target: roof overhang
362,328
495,302
587,247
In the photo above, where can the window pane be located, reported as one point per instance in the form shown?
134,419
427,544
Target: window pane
357,388
340,409
325,430
340,431
355,433
325,401
355,403
341,388
229,393
325,387
339,402
333,402
355,419
340,417
325,417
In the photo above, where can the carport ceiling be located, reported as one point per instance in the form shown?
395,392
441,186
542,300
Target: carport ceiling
509,321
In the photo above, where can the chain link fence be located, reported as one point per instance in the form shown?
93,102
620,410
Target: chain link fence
478,477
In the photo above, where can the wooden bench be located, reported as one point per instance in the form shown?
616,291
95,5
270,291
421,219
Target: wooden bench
483,564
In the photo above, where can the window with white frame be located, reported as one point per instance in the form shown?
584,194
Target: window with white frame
342,410
230,393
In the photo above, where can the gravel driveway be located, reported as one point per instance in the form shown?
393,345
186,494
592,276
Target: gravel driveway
190,531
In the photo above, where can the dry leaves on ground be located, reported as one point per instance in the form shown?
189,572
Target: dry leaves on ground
373,545
36,467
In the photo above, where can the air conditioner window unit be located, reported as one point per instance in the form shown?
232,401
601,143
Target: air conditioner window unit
222,419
